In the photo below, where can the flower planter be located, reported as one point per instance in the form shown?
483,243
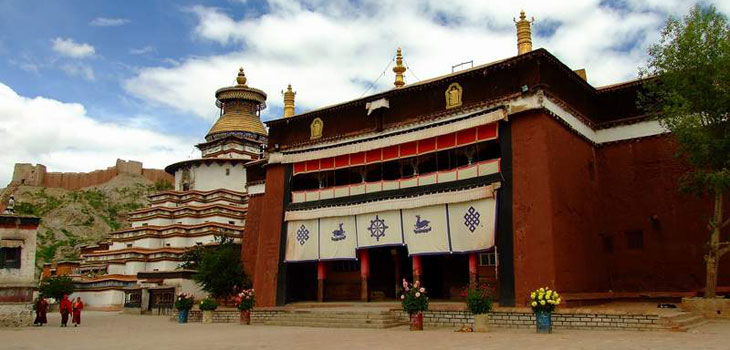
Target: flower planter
481,323
182,315
207,316
245,316
417,321
544,321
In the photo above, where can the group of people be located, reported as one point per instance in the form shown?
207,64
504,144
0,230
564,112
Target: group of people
66,307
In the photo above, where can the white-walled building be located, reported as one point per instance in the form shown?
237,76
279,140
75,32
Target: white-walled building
138,267
17,269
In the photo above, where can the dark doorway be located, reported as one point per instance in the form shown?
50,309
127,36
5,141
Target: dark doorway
301,282
445,276
388,267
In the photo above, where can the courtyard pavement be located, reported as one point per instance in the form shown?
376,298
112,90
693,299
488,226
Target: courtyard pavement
115,331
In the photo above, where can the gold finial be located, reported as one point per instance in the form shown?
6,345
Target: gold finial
399,69
524,33
241,78
288,102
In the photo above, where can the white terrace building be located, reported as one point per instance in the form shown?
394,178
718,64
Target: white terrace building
138,267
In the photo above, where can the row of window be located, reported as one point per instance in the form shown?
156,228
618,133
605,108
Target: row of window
399,168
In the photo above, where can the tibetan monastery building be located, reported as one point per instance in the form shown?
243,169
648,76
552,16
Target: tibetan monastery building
517,173
139,266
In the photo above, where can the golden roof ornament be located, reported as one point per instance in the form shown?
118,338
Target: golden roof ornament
399,69
288,101
524,33
241,78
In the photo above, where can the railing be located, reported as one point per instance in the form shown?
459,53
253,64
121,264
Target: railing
468,171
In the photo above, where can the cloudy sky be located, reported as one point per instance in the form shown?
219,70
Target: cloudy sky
83,83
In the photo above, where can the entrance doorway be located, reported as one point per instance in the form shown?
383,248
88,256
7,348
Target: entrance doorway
388,267
445,276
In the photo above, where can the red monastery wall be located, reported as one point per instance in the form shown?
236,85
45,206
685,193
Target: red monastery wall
640,193
36,175
250,239
269,240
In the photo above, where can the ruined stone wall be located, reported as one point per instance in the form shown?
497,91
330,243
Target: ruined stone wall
36,175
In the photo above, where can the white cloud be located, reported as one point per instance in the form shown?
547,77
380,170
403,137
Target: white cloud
142,51
65,138
330,51
108,22
68,47
78,70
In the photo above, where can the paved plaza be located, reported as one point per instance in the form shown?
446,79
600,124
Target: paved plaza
114,331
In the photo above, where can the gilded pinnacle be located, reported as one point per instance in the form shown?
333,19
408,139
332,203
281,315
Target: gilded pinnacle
399,69
289,102
241,78
524,34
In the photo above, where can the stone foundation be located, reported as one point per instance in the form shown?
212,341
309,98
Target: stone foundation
709,308
16,315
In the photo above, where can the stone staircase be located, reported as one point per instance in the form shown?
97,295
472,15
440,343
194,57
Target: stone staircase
684,321
336,319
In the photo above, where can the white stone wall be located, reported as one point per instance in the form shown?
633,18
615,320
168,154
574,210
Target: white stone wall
16,315
25,275
213,176
189,221
116,269
156,243
101,299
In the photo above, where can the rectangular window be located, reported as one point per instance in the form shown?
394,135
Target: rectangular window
10,258
635,240
129,245
228,171
488,259
231,222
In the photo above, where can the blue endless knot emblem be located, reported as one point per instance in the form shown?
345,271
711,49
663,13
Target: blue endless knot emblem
421,226
471,219
338,234
302,235
377,228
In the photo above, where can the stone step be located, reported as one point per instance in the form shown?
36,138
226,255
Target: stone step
299,323
339,320
685,321
338,316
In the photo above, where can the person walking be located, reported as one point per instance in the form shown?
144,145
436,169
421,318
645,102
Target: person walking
77,306
41,308
65,308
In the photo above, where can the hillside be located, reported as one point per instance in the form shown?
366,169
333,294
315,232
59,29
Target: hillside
70,219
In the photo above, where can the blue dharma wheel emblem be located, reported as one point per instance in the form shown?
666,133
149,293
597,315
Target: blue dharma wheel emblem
471,219
302,235
377,228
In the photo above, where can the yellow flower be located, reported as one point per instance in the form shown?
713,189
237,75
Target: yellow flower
558,301
541,290
532,295
551,302
555,294
549,293
540,296
534,303
542,302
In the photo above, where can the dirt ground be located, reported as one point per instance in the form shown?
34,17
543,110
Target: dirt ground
114,331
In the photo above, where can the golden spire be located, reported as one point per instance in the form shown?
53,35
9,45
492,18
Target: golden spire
524,34
288,102
399,69
241,78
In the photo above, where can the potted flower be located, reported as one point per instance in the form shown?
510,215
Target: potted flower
208,305
479,302
415,302
543,302
246,300
183,304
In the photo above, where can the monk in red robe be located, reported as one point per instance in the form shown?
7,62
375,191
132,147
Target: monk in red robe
77,306
41,308
65,307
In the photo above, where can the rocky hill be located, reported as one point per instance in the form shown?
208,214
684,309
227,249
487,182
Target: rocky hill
71,218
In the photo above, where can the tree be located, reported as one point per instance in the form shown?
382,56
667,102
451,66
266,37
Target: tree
689,92
56,287
219,268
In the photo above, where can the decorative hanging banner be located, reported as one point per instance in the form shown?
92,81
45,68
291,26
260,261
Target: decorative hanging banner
338,238
472,225
302,240
379,229
426,230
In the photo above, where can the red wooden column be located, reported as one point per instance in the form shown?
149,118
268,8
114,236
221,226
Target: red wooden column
364,274
417,271
396,266
473,277
321,275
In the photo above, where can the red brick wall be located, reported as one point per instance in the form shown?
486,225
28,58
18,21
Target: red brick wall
269,240
250,242
640,179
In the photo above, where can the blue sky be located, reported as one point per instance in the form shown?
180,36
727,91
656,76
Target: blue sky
85,82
